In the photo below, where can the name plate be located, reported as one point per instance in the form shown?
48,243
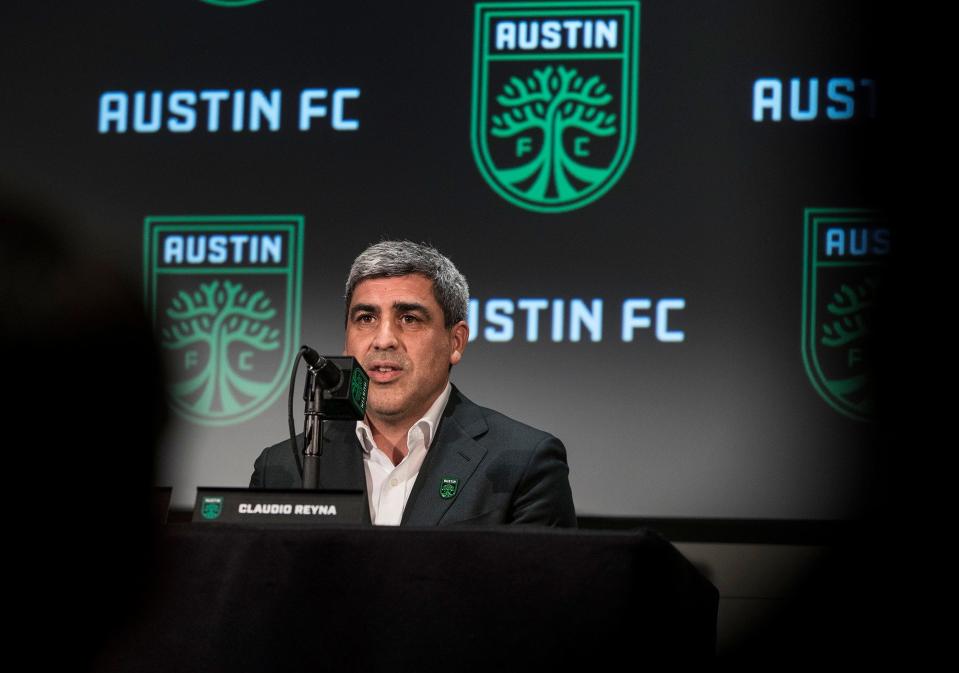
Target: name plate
311,508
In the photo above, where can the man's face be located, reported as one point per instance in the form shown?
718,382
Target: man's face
395,328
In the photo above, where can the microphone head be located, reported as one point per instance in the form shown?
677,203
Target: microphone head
347,401
344,385
311,356
327,374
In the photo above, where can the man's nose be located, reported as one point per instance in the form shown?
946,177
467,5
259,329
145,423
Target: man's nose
385,337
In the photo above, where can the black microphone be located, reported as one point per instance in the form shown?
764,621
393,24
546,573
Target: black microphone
327,373
336,389
337,385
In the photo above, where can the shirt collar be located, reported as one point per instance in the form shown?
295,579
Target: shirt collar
427,424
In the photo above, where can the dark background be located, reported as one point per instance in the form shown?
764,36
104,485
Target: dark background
725,424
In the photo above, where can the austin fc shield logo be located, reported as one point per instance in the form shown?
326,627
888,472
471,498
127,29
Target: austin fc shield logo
211,508
845,251
224,296
554,99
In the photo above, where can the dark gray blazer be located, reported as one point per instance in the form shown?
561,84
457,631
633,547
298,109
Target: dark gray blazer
506,472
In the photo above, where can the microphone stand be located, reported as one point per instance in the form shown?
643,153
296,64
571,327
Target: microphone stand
336,389
312,432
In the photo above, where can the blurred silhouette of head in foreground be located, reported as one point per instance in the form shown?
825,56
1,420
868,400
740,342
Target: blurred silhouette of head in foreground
84,412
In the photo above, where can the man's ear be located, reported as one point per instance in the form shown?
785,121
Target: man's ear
459,337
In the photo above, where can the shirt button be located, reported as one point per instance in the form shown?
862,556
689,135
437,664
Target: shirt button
393,482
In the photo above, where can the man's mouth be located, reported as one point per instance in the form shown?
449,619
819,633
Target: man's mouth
383,372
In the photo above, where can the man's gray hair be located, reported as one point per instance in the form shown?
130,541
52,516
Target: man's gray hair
402,258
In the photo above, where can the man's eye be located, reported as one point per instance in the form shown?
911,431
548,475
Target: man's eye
364,317
409,319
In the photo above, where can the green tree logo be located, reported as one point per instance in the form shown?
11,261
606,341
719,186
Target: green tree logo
553,121
841,289
227,322
552,102
218,315
848,328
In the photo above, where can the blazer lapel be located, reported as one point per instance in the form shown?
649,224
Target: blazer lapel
453,454
341,466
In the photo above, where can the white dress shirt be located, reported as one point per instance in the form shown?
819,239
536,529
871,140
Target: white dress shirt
389,486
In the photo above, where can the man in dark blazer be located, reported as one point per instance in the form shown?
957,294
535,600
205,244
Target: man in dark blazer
425,455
